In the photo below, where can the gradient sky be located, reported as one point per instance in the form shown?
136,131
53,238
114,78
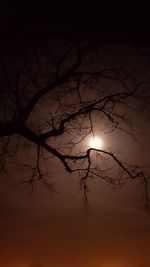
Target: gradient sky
51,229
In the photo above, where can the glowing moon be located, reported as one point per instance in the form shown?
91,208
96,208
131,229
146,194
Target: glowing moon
96,142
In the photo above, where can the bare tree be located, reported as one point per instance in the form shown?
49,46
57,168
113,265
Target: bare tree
55,99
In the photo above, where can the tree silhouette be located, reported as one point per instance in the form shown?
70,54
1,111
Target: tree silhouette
53,100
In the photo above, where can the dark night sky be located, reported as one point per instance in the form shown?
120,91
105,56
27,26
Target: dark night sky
110,20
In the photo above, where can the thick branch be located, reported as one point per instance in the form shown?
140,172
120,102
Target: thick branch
7,128
98,105
32,137
60,80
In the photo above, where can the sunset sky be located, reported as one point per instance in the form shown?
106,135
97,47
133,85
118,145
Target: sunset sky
52,228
